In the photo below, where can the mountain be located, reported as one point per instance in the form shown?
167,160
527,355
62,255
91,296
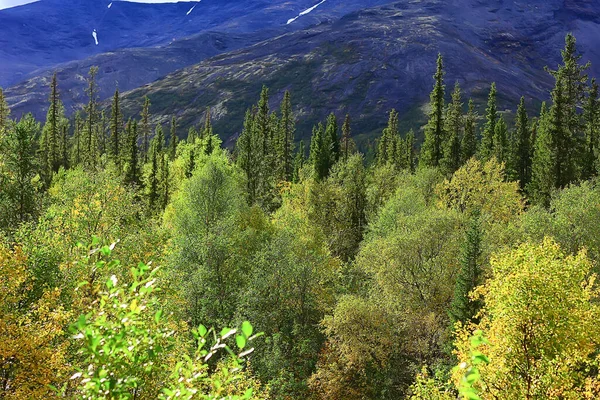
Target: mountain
356,57
379,58
137,43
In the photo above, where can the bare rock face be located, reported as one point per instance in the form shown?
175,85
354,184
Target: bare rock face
357,57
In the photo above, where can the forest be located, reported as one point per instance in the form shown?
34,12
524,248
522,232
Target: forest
135,264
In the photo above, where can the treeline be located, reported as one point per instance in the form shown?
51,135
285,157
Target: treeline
368,281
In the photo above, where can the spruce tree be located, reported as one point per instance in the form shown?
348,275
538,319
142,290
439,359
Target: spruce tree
346,137
207,130
4,113
319,152
431,153
591,114
501,148
190,163
165,182
463,309
410,150
20,164
491,117
523,149
173,139
468,144
159,139
51,134
132,164
299,162
542,166
331,131
64,145
192,135
116,128
77,140
145,125
388,143
91,118
153,177
102,128
286,138
562,137
248,156
453,127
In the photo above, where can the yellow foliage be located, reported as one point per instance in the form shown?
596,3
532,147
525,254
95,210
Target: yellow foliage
541,320
32,345
483,187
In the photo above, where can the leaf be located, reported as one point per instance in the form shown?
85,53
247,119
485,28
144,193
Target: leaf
202,331
240,340
157,316
247,329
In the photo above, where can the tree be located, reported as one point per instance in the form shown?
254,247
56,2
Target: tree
299,161
491,117
20,189
591,116
387,148
542,165
132,162
153,178
173,139
431,154
453,127
523,149
286,139
4,113
346,137
51,134
462,308
116,127
468,144
91,111
320,152
331,134
542,306
248,156
501,146
146,130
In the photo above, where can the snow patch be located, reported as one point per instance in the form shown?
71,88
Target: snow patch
95,35
192,9
110,5
305,12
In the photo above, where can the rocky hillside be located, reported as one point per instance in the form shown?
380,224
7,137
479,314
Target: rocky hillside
381,58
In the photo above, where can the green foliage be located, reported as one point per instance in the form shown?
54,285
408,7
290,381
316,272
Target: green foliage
431,154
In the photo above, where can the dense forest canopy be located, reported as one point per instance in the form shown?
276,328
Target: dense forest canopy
138,265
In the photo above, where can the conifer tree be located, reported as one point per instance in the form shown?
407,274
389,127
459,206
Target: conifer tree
50,142
462,309
431,153
145,125
116,128
192,135
410,150
319,152
4,113
132,173
542,166
491,117
262,122
19,161
501,150
159,139
331,132
102,143
468,144
574,78
562,137
173,139
299,162
346,137
591,114
165,181
153,178
190,163
207,130
286,138
388,143
523,149
91,118
453,127
248,155
64,145
77,139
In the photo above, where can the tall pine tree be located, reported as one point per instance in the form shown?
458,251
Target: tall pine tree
486,150
116,128
453,126
173,139
468,144
91,119
146,130
522,148
287,128
431,154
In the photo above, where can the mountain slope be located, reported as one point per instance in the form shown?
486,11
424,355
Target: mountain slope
49,32
380,58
